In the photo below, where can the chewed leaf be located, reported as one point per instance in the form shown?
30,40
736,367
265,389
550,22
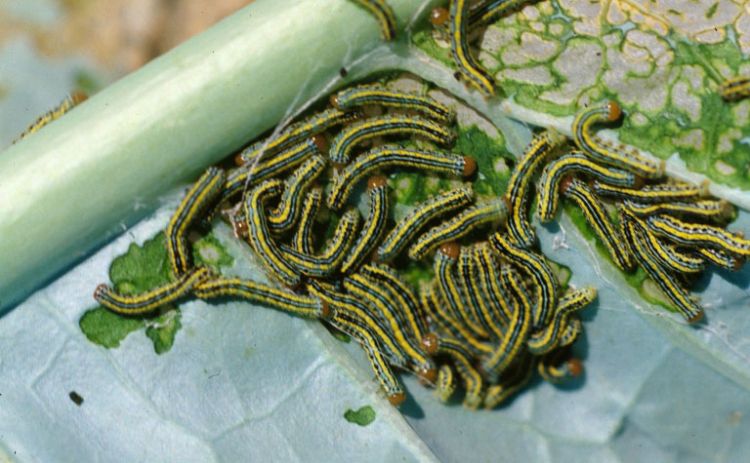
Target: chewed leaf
492,159
163,330
140,269
554,58
208,251
106,328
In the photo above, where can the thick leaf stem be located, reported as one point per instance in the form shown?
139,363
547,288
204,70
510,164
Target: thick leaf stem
86,177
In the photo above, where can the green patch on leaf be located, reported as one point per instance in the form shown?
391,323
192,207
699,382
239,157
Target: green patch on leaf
343,337
579,220
711,145
562,273
363,417
651,292
141,269
415,273
493,160
407,187
209,251
163,329
338,335
494,164
678,111
107,328
708,138
425,41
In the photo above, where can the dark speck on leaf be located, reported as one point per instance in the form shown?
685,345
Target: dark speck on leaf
343,72
76,398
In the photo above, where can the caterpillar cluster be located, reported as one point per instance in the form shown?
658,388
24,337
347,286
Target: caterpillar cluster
672,230
494,311
490,317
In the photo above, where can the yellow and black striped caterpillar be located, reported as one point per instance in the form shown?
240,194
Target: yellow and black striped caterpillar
490,311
